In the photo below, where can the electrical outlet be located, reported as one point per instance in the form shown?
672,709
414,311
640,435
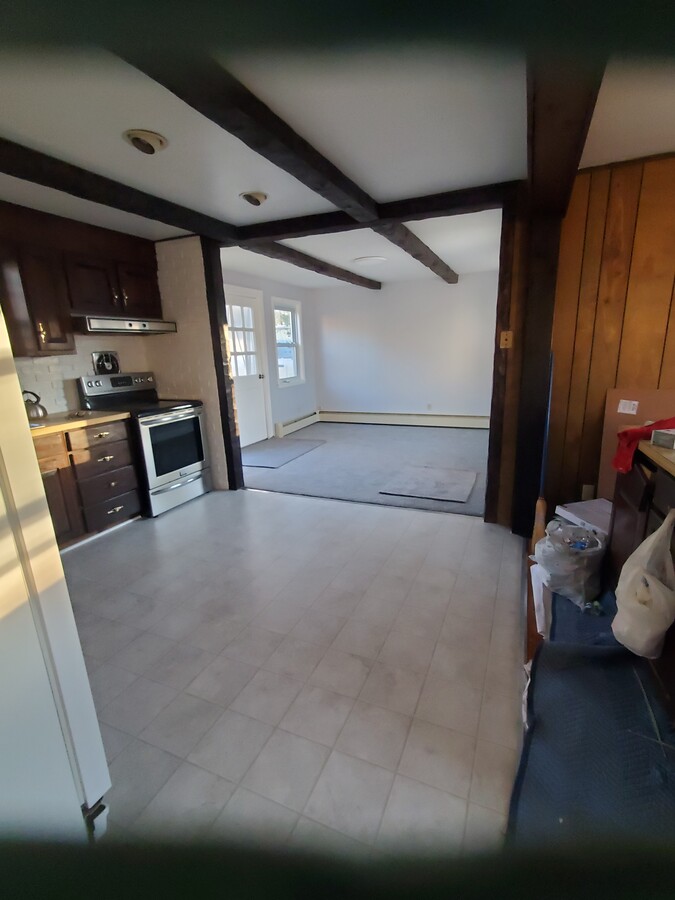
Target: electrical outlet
506,340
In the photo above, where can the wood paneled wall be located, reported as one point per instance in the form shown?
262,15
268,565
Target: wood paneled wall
614,319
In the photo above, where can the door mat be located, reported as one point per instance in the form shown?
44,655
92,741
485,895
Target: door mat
429,483
276,452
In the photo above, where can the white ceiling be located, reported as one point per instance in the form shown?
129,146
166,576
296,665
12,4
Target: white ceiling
77,105
238,260
635,113
404,122
468,243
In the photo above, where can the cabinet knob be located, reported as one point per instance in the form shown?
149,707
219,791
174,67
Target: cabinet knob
115,509
112,484
102,434
124,295
116,297
42,334
105,458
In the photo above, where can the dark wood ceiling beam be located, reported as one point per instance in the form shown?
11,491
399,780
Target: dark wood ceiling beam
448,203
304,261
561,100
404,238
207,87
40,168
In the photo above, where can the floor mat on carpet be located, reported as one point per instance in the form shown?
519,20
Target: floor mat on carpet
431,483
276,452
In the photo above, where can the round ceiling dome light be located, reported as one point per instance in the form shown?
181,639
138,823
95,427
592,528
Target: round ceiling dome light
146,141
370,260
255,198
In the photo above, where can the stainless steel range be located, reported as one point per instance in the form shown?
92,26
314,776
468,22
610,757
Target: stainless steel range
169,434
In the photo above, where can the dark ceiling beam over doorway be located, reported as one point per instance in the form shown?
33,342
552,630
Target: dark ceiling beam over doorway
40,168
448,203
203,84
561,100
406,240
304,261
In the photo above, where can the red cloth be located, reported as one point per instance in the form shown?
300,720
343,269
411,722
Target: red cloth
629,438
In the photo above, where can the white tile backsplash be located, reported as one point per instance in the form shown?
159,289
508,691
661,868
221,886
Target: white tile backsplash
54,377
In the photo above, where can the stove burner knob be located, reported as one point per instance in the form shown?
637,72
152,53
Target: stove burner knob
150,378
98,383
90,384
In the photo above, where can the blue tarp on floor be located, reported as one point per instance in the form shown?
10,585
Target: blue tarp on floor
599,756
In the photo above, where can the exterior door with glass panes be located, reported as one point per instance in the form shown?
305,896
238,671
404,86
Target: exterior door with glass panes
246,341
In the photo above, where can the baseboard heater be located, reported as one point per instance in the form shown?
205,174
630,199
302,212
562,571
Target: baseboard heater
367,418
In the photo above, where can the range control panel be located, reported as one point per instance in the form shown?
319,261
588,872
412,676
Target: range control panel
116,384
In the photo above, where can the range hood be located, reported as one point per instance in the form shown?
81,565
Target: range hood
113,325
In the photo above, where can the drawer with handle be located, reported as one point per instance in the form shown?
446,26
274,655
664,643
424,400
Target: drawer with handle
103,515
96,460
106,486
97,434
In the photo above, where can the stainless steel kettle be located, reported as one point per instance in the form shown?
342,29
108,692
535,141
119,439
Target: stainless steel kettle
34,408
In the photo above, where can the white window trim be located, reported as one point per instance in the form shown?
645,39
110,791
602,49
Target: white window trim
295,306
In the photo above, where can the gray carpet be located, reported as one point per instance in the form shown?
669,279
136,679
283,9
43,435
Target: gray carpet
430,483
276,452
356,462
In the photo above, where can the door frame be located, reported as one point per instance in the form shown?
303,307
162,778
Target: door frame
256,294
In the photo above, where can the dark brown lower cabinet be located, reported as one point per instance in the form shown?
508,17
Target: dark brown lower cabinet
60,487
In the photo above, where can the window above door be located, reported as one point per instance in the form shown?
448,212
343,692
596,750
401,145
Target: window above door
288,339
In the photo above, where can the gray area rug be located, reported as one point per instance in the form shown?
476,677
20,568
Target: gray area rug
357,461
276,452
431,483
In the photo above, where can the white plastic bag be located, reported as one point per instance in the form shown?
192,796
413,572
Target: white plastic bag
571,557
645,594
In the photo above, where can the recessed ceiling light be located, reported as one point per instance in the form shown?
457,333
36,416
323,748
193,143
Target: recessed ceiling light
146,141
370,260
255,198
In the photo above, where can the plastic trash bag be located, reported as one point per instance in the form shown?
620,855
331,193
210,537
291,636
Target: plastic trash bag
645,594
571,557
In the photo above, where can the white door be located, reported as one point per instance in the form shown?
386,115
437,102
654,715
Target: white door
248,363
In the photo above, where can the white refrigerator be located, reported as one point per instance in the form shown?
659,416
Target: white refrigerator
53,770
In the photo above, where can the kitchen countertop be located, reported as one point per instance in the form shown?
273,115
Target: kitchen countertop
70,421
662,457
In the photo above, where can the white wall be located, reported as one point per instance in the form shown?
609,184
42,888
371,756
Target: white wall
413,347
183,362
294,401
53,377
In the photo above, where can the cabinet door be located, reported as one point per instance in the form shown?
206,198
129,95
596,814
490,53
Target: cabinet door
93,286
63,504
140,293
45,288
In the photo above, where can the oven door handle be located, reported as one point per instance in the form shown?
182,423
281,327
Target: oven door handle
148,421
172,487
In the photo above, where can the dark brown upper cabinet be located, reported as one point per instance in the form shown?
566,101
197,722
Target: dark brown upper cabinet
140,292
34,297
93,286
104,287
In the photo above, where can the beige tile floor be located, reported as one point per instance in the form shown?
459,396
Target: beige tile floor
307,671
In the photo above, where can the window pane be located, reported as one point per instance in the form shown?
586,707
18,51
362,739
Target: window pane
250,341
283,323
239,344
236,317
252,364
286,358
248,317
241,365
